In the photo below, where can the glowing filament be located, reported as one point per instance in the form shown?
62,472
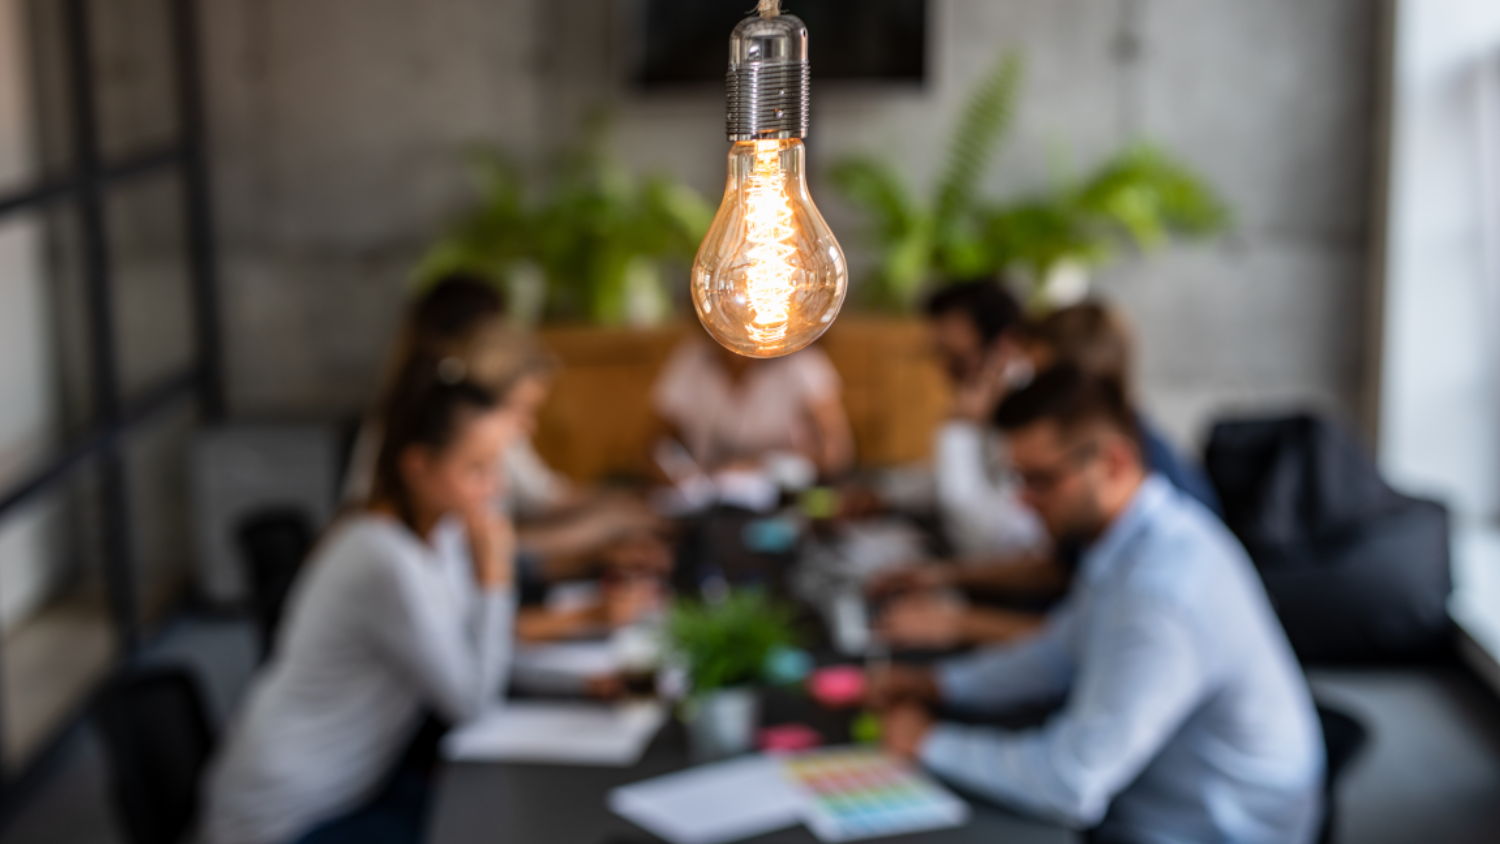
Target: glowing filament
769,282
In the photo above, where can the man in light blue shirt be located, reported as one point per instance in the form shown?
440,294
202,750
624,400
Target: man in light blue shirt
1185,716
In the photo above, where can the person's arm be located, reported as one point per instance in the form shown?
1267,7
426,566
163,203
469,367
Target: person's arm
926,621
543,624
835,436
1033,670
623,601
1026,573
986,626
457,655
1128,700
613,531
813,376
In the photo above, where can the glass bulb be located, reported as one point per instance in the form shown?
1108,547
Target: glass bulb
770,277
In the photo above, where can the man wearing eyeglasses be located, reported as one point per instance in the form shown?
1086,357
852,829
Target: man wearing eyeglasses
1185,717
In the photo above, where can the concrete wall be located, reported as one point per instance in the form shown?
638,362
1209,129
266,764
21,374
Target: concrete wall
339,125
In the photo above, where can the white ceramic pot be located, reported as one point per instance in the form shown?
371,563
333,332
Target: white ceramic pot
721,724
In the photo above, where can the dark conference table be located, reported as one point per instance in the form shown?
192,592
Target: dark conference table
515,803
485,803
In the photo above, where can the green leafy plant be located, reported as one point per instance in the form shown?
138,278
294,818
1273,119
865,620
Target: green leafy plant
1140,195
598,235
729,643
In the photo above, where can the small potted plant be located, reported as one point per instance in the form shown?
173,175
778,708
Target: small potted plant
729,650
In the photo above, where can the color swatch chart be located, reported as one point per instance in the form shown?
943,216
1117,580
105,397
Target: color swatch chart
855,793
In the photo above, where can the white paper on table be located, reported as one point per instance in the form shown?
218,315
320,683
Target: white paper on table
751,489
712,804
572,663
562,668
565,732
573,595
874,546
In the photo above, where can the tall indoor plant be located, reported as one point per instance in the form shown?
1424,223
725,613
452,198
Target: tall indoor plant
1141,194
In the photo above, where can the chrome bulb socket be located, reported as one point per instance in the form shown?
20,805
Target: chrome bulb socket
768,79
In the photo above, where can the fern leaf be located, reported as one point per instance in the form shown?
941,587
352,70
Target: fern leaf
1148,194
874,187
985,121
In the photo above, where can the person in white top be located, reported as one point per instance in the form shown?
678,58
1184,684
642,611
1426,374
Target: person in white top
731,411
405,607
565,531
976,329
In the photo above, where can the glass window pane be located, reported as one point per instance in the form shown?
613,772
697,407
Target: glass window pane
30,409
58,638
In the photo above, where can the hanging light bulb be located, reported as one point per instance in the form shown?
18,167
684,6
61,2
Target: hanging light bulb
770,277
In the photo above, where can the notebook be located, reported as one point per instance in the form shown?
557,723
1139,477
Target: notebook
851,793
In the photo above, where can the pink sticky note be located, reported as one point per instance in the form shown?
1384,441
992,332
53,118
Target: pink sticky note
838,685
789,738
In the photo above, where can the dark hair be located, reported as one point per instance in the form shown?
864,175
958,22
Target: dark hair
1073,399
990,308
1091,336
452,307
425,411
456,311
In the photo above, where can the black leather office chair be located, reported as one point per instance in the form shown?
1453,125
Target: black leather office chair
274,543
157,740
1343,737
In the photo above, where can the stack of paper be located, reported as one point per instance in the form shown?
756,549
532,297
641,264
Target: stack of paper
576,733
712,804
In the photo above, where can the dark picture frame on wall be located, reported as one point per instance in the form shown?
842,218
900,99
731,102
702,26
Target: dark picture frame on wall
683,43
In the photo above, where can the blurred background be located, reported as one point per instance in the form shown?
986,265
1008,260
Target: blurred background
213,212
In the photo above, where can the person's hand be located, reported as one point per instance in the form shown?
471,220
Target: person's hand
889,685
924,621
629,599
492,544
605,687
975,400
641,553
917,577
903,728
859,501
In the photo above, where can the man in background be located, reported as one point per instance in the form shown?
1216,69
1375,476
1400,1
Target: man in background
975,328
1095,339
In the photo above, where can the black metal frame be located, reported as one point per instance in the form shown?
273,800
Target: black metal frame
86,186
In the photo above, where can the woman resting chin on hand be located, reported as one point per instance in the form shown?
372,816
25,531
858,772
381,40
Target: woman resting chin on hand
404,608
